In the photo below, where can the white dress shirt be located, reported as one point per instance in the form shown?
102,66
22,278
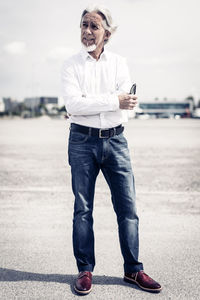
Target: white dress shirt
90,88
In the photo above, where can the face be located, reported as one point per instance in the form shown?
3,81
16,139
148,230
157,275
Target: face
93,33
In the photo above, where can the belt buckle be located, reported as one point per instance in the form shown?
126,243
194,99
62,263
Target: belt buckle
100,134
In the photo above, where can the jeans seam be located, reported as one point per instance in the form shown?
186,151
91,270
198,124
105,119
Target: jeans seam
79,142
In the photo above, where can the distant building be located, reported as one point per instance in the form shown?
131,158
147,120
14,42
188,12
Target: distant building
41,105
165,109
49,100
34,102
8,105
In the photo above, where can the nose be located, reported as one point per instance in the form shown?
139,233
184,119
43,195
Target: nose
87,30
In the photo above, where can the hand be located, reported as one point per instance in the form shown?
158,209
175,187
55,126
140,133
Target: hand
127,101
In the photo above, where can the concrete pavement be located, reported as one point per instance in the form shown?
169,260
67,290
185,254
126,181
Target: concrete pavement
36,206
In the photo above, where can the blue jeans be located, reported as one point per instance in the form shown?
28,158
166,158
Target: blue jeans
87,156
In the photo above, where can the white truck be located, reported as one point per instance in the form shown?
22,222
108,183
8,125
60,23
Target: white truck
2,106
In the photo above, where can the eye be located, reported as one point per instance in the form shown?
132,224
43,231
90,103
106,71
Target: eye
94,27
84,24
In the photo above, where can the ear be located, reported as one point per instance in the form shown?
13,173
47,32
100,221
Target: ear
107,35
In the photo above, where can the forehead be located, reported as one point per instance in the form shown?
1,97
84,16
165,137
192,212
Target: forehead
92,17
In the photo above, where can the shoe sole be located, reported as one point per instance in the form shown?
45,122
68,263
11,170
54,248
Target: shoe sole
129,280
82,292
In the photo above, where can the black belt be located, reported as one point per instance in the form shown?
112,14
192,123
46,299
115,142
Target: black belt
101,133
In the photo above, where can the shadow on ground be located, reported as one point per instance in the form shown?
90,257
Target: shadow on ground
15,275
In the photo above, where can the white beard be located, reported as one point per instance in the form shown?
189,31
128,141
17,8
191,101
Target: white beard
89,48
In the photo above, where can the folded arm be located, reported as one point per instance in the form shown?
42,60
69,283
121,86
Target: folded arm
78,104
91,104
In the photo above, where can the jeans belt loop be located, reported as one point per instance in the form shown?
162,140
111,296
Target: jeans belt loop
115,130
90,131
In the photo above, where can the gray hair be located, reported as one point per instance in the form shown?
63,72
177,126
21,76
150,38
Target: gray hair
104,13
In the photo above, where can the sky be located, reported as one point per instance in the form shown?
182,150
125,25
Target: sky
159,38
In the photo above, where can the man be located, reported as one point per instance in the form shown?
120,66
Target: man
96,88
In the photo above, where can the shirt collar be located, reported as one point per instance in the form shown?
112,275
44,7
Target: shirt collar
85,55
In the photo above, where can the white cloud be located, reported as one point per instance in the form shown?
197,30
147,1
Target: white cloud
60,53
164,59
15,48
153,35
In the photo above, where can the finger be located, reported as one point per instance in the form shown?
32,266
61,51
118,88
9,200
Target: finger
133,97
133,101
133,104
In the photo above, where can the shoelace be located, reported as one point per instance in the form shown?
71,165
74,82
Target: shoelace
147,276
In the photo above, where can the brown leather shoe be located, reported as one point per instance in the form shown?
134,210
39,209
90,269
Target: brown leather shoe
143,281
83,284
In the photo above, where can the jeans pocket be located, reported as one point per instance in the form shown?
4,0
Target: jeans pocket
119,144
120,139
77,137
